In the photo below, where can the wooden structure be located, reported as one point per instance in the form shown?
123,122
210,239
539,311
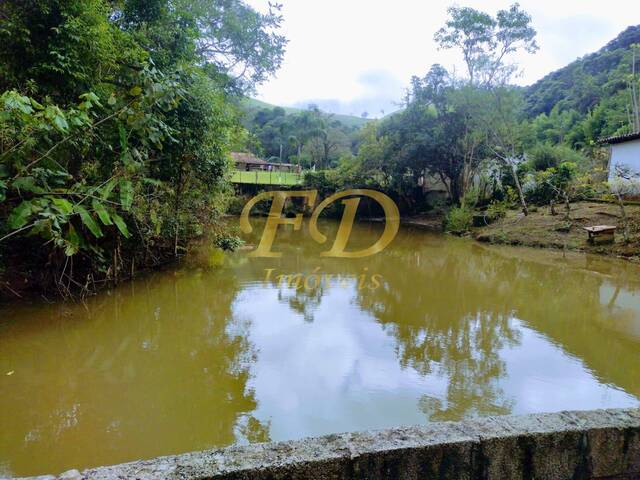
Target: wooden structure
602,233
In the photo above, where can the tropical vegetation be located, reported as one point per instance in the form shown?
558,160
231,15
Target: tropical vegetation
116,119
477,135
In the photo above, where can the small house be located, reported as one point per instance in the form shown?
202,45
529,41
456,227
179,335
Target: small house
248,161
625,152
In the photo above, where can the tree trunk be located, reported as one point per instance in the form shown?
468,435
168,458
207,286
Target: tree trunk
447,184
516,180
455,190
176,212
567,207
623,213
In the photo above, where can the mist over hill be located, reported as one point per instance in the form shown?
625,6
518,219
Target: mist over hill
252,105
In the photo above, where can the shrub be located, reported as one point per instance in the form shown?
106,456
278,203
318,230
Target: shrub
459,219
228,242
543,156
497,210
236,205
470,198
552,183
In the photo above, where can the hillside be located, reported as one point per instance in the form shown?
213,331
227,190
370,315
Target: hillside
579,86
252,104
584,83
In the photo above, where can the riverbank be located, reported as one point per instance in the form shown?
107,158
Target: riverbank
542,230
539,229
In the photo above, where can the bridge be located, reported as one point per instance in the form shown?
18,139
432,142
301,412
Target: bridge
251,170
261,177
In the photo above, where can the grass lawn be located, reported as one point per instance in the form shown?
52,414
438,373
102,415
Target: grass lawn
267,178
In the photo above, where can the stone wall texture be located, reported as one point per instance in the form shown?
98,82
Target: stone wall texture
602,444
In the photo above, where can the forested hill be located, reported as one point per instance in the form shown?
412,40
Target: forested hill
252,105
307,137
584,83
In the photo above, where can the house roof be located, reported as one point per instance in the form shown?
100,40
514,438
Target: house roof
250,158
620,138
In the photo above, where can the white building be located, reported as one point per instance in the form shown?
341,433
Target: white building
625,152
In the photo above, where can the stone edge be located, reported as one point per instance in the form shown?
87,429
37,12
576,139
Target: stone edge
585,444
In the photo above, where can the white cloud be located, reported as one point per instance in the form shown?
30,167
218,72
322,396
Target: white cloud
355,55
379,94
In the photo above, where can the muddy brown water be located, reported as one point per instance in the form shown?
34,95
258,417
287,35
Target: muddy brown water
212,352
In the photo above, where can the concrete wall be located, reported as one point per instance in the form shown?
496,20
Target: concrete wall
569,445
627,153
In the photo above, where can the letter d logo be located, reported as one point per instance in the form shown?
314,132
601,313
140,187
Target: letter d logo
392,223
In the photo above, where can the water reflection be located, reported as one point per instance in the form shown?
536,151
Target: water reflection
211,353
139,372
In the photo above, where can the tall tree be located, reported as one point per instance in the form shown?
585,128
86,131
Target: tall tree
486,42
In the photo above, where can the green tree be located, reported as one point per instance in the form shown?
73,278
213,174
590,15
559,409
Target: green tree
486,42
115,124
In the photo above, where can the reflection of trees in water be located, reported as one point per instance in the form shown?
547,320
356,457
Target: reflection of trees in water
459,338
563,301
152,368
448,303
302,301
450,313
447,322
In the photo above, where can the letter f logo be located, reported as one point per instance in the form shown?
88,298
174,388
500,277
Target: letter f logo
392,221
275,218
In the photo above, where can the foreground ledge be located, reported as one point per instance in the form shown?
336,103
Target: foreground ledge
567,445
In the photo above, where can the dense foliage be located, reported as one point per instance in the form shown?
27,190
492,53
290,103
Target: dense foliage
116,119
307,137
588,99
478,135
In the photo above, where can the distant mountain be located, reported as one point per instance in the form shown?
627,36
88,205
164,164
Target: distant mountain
584,83
347,120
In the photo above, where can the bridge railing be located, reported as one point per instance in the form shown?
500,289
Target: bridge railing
261,177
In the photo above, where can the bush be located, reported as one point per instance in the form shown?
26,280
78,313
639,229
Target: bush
228,242
497,210
543,157
459,220
236,205
471,198
552,184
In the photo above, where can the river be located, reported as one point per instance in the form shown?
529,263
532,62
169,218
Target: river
215,351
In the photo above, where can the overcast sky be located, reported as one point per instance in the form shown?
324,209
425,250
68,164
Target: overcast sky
351,56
